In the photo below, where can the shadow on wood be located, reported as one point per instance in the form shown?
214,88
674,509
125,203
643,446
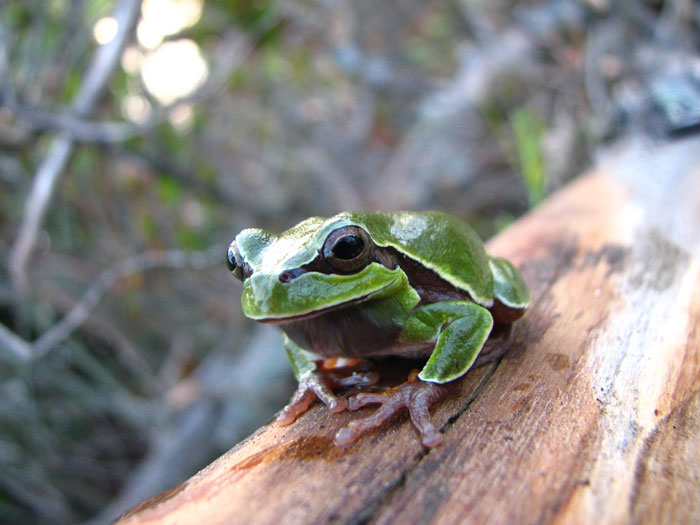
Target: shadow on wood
592,416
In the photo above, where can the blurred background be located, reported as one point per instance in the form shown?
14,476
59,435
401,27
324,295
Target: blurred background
137,138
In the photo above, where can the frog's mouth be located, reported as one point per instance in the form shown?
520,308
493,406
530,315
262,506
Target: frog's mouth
325,310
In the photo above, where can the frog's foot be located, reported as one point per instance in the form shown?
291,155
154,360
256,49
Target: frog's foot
319,385
416,396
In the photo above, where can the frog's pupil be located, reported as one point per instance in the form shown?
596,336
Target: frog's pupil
348,247
231,259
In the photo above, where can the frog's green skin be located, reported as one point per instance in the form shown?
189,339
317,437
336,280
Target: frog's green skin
424,287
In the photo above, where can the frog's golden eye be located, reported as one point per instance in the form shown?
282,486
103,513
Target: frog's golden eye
347,249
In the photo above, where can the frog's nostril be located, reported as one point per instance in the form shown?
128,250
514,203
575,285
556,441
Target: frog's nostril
288,275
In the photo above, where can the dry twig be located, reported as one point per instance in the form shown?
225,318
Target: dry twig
177,259
105,60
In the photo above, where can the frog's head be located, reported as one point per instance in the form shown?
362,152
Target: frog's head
318,265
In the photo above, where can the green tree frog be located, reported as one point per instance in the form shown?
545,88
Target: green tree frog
359,285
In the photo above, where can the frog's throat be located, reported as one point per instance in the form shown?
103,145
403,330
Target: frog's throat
321,311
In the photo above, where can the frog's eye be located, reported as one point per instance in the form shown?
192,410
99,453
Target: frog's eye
235,263
347,249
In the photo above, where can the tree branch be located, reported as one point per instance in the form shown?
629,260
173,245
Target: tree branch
105,60
136,264
592,416
175,259
14,345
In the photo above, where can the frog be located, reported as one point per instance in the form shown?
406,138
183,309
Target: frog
360,286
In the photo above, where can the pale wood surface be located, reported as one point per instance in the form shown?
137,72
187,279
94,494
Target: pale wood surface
592,417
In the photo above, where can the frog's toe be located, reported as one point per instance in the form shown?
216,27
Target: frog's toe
298,405
338,404
416,396
346,436
420,416
358,427
320,388
358,401
314,386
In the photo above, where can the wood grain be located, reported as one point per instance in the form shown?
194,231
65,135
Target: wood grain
593,416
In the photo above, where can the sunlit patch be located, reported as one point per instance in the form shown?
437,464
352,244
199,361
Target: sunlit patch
105,30
161,18
182,117
169,70
131,60
174,70
136,108
407,227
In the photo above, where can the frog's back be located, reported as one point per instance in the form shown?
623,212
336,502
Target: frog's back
441,242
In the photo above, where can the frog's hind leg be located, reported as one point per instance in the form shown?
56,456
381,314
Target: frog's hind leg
511,294
416,396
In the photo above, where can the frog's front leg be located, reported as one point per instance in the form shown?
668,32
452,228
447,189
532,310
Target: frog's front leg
459,329
315,383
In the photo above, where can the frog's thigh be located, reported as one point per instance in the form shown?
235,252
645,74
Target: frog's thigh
509,286
461,328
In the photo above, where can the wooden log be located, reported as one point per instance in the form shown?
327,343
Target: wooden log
593,416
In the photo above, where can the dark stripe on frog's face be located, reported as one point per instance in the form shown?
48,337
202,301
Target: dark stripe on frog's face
429,285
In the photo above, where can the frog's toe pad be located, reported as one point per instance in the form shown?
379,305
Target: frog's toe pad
416,396
299,404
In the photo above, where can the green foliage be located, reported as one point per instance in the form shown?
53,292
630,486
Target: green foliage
432,46
64,402
251,15
169,190
274,64
191,239
18,15
247,12
529,130
148,227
